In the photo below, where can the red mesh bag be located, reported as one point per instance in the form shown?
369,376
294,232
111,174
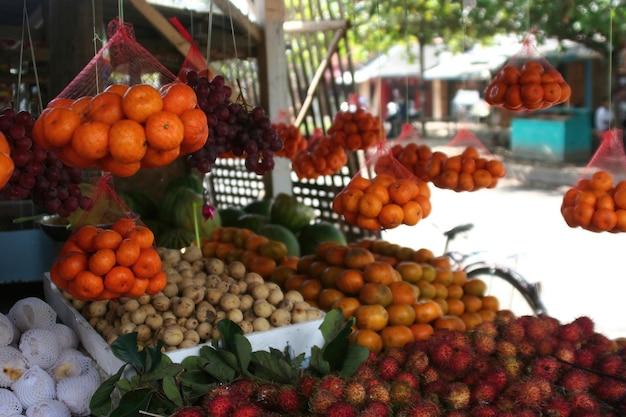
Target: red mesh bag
293,141
527,82
412,152
321,157
123,112
110,253
597,200
356,128
383,194
194,60
465,165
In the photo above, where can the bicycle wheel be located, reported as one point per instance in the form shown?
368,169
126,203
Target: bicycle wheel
513,291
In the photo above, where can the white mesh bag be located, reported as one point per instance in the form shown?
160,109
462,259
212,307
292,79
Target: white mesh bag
32,312
13,365
34,386
66,335
40,346
7,331
9,403
76,392
70,363
49,408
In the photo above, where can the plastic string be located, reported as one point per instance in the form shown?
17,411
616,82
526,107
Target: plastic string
210,30
96,38
232,32
610,76
26,27
120,9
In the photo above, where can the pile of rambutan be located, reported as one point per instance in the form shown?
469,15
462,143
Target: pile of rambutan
515,366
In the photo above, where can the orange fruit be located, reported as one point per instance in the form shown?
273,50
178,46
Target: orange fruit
495,94
139,287
601,181
327,297
70,264
529,76
80,106
370,205
371,317
604,219
90,140
156,283
127,252
475,287
403,292
83,237
106,239
350,281
374,293
87,285
472,303
566,92
105,107
119,279
118,89
396,336
421,331
513,99
155,158
533,65
59,126
262,265
427,311
164,130
142,235
391,216
140,101
196,130
178,98
148,264
358,258
123,225
368,338
108,163
509,75
310,289
127,141
531,93
101,261
347,305
379,272
551,92
401,314
7,166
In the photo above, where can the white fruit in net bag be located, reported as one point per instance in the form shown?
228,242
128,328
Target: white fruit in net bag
9,403
13,364
70,363
7,331
66,335
34,386
32,312
40,346
49,408
76,392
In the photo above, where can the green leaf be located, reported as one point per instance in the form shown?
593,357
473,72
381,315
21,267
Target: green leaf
355,356
228,329
167,368
317,363
170,388
198,381
100,403
336,349
132,403
243,351
218,367
154,356
331,325
125,348
126,385
191,363
268,367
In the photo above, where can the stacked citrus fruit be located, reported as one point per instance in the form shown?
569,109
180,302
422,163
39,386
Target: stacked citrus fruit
384,202
106,263
533,85
596,203
323,156
124,128
292,139
6,163
396,294
414,157
357,129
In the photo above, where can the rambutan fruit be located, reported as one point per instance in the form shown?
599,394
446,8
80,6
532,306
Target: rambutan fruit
375,409
189,411
484,344
355,392
610,364
378,392
387,367
408,377
364,372
557,406
506,349
429,375
288,399
417,361
534,328
266,394
321,401
306,384
498,377
342,409
550,323
333,383
455,338
440,353
526,350
484,411
247,410
461,362
546,367
423,408
218,406
401,393
484,392
487,328
242,389
565,352
586,326
583,400
569,332
611,390
528,392
574,380
600,344
546,346
398,353
512,366
584,357
458,396
513,332
504,317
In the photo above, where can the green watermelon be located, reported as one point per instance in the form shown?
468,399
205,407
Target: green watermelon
229,216
176,238
141,203
252,221
313,234
287,211
281,234
188,180
258,207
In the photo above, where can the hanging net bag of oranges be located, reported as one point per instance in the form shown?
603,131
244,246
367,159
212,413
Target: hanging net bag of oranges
356,127
527,82
597,200
110,252
412,151
383,194
123,112
293,141
465,165
322,156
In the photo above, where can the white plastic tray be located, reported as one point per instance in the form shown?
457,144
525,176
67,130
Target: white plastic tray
297,338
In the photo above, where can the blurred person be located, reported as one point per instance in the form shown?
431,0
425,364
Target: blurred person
604,116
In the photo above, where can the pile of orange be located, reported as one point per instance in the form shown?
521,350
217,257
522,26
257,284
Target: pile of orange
6,163
468,171
322,157
384,202
258,253
533,85
357,129
293,141
414,157
596,203
100,264
124,128
396,294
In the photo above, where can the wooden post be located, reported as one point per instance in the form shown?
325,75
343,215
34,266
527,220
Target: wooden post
273,80
70,27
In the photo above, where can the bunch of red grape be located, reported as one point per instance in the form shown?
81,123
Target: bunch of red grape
39,174
234,131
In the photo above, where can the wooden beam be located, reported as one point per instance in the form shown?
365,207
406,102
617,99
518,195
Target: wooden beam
294,27
253,29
